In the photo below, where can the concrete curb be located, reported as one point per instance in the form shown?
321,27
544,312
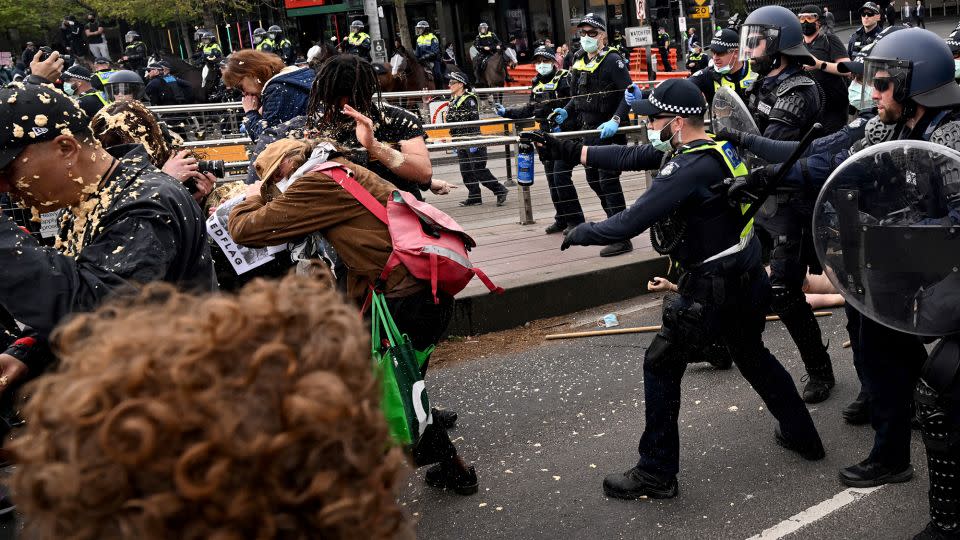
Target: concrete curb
483,312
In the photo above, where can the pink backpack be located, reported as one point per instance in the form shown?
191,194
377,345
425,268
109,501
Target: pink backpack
428,242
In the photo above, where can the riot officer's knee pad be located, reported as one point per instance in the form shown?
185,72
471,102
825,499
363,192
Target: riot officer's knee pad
941,434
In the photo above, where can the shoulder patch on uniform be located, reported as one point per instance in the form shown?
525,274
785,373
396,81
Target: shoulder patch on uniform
794,82
620,64
668,169
857,122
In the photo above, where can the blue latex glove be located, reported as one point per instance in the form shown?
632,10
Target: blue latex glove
631,94
501,110
608,129
560,116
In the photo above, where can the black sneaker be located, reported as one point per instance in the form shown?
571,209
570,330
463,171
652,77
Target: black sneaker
932,532
817,389
869,473
857,412
555,228
810,451
636,483
471,202
444,418
617,249
502,198
454,476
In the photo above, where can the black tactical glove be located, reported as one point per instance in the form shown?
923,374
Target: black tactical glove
552,148
748,188
731,135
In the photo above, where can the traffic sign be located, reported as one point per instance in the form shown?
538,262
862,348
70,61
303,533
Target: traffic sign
380,49
700,12
639,36
701,2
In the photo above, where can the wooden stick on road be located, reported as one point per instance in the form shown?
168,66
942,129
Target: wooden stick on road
644,329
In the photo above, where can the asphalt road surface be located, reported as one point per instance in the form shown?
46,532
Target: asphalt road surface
544,426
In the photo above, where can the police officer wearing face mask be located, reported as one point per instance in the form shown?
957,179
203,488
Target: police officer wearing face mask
829,51
723,290
953,41
727,69
786,102
550,87
77,84
599,78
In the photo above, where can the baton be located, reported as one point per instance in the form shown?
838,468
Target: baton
781,173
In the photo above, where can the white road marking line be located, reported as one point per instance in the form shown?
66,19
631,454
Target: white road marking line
814,513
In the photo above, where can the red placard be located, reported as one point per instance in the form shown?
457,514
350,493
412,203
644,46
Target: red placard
294,4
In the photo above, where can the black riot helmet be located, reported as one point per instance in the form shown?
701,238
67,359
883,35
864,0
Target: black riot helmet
124,85
918,63
275,31
769,32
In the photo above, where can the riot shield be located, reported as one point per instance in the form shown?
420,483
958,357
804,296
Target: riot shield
887,233
730,112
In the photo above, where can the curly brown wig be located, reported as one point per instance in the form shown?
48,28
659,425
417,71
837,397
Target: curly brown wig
130,122
221,417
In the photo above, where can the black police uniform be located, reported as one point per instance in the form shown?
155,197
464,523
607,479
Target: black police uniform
598,86
92,101
358,44
136,54
709,81
785,107
546,93
860,39
887,362
473,161
482,41
723,295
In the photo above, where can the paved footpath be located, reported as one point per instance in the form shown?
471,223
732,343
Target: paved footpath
544,426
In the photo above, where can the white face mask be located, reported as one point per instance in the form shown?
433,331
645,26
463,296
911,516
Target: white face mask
657,142
956,69
544,69
723,70
857,97
68,89
589,44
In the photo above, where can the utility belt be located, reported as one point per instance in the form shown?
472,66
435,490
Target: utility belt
714,286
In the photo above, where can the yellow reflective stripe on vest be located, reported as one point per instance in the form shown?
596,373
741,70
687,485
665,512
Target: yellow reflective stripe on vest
456,104
425,39
359,39
541,86
738,169
212,47
100,96
743,84
580,65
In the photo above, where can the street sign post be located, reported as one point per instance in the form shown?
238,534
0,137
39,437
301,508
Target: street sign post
639,36
701,10
379,50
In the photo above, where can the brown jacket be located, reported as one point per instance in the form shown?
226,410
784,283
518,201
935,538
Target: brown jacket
313,203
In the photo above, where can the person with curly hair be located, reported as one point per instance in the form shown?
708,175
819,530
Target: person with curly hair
131,123
252,416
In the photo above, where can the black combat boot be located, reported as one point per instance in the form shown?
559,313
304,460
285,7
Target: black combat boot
454,475
808,450
797,316
636,483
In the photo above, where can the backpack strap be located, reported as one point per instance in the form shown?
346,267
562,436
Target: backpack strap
344,177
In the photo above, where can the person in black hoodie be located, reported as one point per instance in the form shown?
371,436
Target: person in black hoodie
124,224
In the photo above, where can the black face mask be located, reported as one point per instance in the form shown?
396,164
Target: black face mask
809,28
762,65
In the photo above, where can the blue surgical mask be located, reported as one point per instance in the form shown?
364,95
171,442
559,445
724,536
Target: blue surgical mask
545,69
657,142
589,44
956,68
68,89
857,97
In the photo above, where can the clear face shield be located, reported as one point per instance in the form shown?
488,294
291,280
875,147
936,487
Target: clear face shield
758,42
128,38
123,91
881,74
483,28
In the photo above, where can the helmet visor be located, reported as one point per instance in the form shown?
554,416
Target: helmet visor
881,74
123,91
758,41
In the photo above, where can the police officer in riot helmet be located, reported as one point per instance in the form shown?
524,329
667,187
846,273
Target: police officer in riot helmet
599,78
723,290
135,54
727,70
357,42
911,74
487,44
550,87
124,85
282,46
262,41
786,103
427,51
953,41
